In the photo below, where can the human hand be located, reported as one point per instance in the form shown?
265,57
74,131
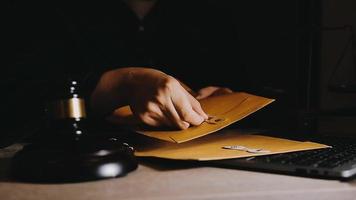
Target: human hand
212,91
160,100
154,97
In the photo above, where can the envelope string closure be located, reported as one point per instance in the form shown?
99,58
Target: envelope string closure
213,119
246,149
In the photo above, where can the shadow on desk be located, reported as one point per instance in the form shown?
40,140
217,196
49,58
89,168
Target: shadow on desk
6,155
5,164
166,164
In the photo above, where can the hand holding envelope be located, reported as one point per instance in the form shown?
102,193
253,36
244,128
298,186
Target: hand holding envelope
223,111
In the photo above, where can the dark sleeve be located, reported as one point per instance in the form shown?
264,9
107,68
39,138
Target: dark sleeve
207,50
226,56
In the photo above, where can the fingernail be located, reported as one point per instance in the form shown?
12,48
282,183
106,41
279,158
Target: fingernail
205,116
185,125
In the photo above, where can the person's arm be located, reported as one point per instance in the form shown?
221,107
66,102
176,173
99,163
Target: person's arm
155,98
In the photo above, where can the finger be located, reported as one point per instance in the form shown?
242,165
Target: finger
212,91
197,107
162,121
155,112
147,119
221,91
206,92
162,117
174,117
185,110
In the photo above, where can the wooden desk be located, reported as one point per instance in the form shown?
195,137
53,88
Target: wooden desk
180,183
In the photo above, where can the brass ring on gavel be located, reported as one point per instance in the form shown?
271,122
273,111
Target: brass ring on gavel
68,108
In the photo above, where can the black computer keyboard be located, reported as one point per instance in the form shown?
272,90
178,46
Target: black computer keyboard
343,151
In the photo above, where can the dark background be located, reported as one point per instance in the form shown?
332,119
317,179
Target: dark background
281,49
290,56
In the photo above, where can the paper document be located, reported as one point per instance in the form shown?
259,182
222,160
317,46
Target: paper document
212,147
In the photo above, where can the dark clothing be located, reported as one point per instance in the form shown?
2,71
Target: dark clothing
194,41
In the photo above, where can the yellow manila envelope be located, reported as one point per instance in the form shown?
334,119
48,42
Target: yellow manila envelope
225,110
211,147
